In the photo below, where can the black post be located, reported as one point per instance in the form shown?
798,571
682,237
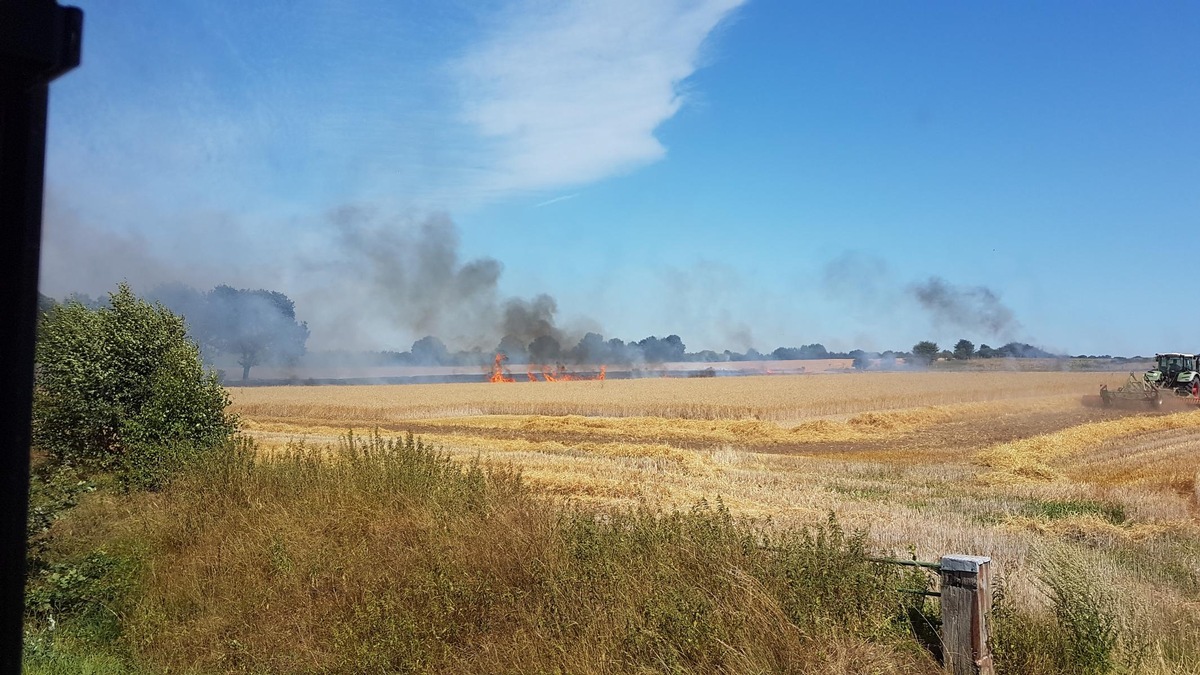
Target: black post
39,40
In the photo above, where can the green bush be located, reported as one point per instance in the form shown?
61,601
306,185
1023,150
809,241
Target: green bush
122,388
1024,643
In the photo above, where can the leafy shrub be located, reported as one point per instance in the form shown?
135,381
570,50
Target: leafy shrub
121,387
73,613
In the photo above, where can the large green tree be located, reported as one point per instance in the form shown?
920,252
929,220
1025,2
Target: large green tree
258,326
964,349
122,387
925,352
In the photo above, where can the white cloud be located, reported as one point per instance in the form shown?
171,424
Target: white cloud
566,93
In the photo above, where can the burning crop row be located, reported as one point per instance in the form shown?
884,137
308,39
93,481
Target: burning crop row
558,373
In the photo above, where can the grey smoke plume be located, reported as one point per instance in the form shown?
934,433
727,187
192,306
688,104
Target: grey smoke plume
976,308
871,291
80,254
414,269
79,258
413,274
365,281
529,320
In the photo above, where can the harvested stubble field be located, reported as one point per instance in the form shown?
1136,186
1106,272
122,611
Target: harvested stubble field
996,463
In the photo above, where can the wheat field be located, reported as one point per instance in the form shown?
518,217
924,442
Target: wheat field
1003,464
777,397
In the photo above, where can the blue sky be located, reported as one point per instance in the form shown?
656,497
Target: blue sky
757,173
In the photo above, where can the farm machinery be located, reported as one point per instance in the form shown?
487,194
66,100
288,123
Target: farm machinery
1174,380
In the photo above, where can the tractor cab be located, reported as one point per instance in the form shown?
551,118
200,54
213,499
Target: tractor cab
1175,371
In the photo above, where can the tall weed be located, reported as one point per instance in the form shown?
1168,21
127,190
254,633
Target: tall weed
1088,631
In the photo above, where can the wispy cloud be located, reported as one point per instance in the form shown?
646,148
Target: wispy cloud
556,200
567,93
429,108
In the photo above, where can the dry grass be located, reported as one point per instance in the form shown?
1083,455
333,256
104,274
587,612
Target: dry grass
384,557
498,430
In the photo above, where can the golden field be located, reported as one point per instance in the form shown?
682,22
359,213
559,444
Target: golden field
1006,464
773,397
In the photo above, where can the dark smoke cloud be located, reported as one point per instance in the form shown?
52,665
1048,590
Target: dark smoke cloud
363,281
528,320
412,272
870,291
974,308
414,269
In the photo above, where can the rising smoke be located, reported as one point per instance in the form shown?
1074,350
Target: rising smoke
77,257
370,281
971,308
528,320
871,292
411,272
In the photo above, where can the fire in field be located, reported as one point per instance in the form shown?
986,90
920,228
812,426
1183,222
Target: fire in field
557,374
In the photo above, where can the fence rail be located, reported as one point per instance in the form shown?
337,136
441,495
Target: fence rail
966,599
907,563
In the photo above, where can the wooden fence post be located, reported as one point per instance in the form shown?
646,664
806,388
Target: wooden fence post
966,601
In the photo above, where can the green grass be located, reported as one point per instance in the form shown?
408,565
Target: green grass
861,492
1089,630
1057,509
76,664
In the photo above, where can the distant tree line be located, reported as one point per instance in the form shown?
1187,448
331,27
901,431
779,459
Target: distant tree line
926,352
965,349
595,348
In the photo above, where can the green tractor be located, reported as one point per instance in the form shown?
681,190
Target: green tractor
1176,372
1174,380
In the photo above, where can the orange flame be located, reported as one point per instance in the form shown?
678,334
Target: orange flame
499,374
556,374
